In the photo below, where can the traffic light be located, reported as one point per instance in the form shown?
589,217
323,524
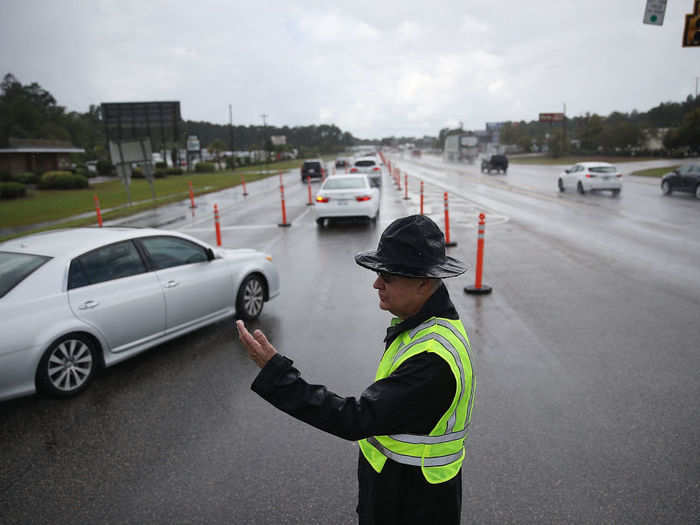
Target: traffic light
691,33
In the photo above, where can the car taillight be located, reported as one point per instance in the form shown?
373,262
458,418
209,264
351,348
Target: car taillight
589,175
353,170
361,198
618,174
321,198
376,168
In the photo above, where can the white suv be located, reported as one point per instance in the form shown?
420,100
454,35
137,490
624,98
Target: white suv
591,176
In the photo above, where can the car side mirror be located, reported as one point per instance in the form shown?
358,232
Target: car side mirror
567,171
210,254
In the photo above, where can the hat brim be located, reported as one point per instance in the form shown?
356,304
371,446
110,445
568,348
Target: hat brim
451,267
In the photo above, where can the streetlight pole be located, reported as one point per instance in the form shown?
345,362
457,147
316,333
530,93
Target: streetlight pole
264,116
230,137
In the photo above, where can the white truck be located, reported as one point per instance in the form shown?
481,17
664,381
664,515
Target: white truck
461,148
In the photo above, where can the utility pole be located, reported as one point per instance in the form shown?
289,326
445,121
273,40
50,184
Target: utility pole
565,149
230,136
264,116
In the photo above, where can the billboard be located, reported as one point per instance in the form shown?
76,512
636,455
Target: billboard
551,117
159,121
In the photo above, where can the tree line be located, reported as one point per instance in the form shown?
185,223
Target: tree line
676,124
31,112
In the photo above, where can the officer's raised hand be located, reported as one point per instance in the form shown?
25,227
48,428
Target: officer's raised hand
259,348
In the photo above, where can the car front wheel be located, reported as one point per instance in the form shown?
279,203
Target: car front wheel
67,367
666,188
250,299
561,185
580,189
697,191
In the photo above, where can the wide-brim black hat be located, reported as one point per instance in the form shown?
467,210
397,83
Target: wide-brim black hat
412,246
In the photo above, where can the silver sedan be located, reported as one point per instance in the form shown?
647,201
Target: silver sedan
75,300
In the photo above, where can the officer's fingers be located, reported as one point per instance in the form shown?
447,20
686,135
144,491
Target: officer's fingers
260,338
244,335
242,330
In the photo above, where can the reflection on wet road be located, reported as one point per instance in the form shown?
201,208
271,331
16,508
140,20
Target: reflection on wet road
585,354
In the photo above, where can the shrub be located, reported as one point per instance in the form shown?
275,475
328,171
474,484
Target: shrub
174,171
5,176
12,190
85,172
204,167
62,180
160,173
137,173
161,165
25,178
104,167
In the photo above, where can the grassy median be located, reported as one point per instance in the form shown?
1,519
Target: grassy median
61,206
570,160
656,172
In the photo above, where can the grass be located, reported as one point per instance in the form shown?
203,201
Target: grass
655,172
573,160
61,206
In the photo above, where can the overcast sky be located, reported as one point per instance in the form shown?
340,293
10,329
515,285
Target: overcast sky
374,68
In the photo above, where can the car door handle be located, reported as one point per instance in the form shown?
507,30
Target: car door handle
88,305
171,284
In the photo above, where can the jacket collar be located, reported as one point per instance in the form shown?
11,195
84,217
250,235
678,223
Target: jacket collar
438,305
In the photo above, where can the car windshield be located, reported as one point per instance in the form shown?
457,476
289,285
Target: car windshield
603,169
15,267
365,163
345,183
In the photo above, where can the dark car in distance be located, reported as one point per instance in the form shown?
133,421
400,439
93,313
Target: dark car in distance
498,163
685,178
312,168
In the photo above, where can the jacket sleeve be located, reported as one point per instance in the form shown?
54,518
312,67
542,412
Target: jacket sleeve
411,400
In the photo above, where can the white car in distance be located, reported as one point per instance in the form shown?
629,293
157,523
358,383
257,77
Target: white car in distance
370,166
346,196
591,176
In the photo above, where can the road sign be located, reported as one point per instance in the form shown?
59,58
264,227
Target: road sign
193,143
551,117
654,12
691,32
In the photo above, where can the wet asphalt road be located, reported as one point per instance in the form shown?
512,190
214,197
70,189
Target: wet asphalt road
586,357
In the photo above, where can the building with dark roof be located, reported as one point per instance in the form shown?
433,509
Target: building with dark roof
36,155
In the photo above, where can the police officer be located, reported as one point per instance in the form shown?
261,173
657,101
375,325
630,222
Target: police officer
412,422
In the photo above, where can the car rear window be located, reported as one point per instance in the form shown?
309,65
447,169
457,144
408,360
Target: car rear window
365,163
15,267
315,165
603,169
345,183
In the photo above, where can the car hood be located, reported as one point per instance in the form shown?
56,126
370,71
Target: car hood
237,253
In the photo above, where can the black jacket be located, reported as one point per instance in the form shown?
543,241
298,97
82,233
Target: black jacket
410,401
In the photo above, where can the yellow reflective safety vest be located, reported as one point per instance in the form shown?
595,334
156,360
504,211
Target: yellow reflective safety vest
440,453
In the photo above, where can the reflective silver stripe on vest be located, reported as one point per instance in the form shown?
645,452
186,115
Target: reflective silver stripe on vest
438,461
417,439
467,347
445,324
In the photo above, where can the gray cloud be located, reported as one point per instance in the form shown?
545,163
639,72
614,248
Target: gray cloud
374,69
